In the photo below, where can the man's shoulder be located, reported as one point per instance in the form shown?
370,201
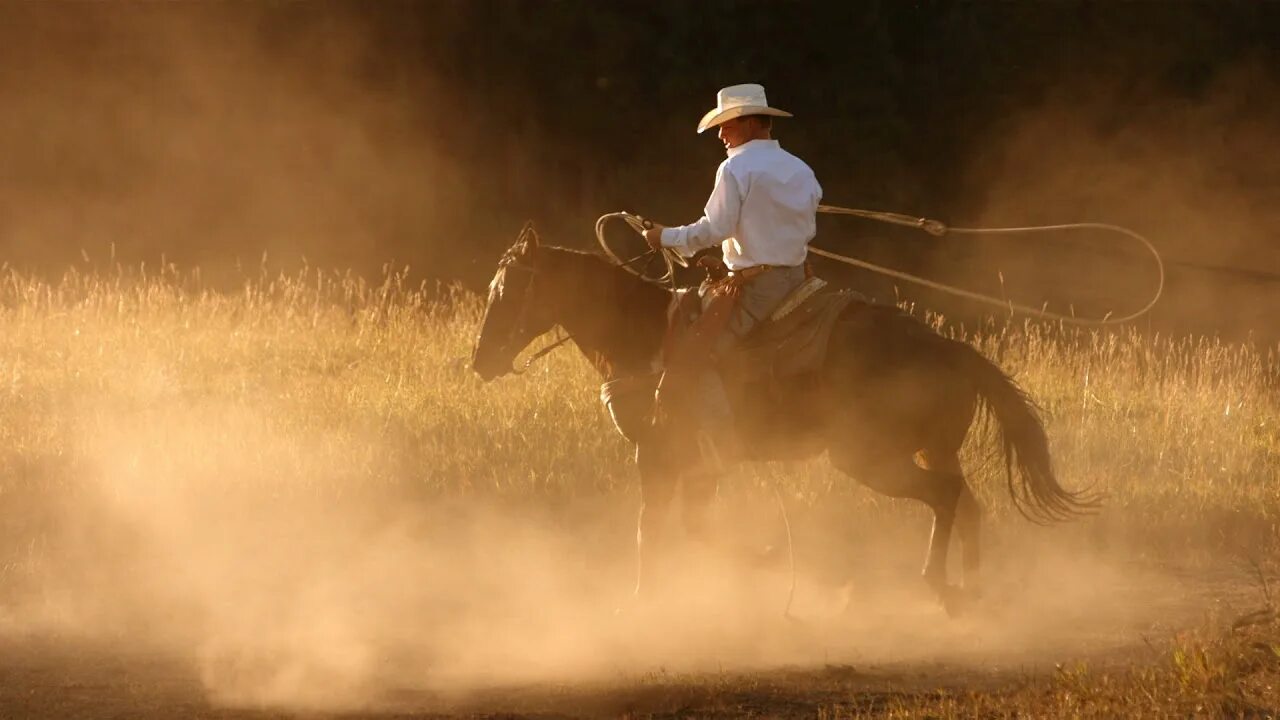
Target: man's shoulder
755,155
790,156
771,158
781,161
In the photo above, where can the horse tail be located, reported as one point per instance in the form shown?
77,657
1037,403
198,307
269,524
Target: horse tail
1037,493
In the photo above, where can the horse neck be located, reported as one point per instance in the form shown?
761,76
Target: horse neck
616,319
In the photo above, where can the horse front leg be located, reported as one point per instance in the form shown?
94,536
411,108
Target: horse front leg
697,497
657,488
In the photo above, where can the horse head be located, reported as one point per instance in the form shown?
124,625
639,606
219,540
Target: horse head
513,315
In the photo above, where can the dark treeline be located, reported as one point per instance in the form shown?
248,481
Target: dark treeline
425,133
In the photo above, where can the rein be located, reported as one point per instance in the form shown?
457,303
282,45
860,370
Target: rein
540,354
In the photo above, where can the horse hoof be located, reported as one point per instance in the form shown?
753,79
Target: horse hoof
770,557
955,601
633,610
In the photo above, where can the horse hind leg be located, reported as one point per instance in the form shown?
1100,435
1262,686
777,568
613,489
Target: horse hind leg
938,489
968,513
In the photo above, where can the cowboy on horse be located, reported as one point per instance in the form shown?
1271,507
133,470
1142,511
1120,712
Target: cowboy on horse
887,398
762,212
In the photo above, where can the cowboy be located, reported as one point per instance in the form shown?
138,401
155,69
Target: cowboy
762,212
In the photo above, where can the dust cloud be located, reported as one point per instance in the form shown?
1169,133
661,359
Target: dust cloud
278,565
210,134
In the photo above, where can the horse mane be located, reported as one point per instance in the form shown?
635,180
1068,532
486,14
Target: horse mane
633,291
616,318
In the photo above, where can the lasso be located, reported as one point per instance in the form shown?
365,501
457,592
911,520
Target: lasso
938,229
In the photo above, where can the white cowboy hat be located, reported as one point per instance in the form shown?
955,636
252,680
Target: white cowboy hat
736,101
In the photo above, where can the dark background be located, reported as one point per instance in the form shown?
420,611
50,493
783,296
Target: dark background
353,135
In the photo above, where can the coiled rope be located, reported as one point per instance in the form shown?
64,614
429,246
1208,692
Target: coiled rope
670,258
937,229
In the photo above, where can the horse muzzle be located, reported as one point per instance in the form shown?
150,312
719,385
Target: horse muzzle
490,368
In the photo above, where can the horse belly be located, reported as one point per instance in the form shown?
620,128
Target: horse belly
781,420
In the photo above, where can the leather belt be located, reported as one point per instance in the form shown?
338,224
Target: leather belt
754,270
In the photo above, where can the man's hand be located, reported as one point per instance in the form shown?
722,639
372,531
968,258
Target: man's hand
653,237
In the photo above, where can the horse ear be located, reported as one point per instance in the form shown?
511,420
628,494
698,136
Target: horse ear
526,241
530,235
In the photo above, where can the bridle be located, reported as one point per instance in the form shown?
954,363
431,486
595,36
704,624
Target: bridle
510,262
527,235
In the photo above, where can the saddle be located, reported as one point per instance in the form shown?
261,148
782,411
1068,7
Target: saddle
792,341
779,355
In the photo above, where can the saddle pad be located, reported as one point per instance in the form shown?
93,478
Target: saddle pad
797,297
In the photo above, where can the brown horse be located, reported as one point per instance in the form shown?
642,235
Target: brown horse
896,401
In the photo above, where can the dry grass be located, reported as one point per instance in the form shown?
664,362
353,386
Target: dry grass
1188,425
1210,672
320,386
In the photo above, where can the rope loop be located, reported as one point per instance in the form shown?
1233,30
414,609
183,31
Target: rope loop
935,228
938,229
670,258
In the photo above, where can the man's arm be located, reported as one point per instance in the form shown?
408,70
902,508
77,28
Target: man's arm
718,223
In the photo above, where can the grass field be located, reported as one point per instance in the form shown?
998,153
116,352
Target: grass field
255,468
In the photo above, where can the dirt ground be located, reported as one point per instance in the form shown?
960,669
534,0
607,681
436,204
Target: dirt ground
62,678
888,646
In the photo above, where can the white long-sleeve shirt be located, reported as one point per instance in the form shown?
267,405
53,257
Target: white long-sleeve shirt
762,210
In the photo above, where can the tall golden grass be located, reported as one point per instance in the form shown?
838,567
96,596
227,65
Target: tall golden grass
321,382
322,387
